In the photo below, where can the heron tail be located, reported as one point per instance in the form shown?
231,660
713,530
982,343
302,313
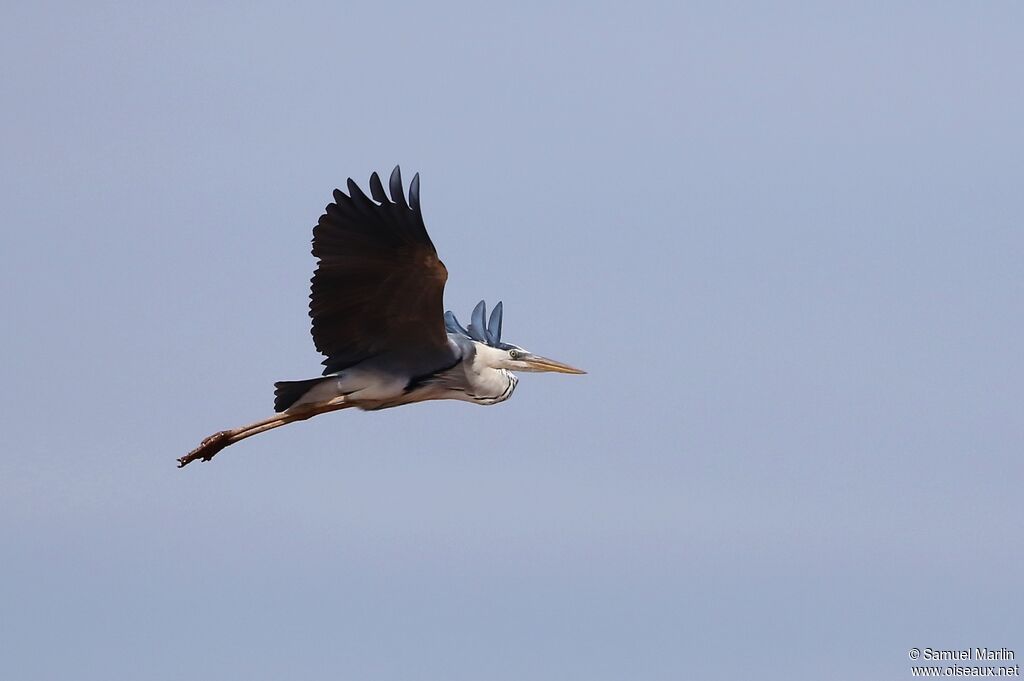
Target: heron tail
287,393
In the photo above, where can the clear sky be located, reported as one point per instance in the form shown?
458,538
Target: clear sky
785,240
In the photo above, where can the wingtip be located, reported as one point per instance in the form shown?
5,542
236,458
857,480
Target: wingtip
377,188
397,190
494,325
414,192
478,323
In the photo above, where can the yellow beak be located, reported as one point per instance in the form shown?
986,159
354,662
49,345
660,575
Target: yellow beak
537,363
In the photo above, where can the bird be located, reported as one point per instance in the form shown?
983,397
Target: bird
376,304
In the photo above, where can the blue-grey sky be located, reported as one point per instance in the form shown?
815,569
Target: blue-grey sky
785,240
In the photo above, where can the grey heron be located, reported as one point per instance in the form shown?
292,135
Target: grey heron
378,318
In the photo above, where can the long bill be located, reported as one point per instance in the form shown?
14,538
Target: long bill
538,363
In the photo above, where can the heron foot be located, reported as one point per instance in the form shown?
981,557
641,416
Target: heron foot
207,449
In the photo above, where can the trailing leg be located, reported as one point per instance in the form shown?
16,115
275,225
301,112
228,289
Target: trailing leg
212,445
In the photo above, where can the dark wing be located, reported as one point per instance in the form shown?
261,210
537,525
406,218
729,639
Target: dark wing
378,285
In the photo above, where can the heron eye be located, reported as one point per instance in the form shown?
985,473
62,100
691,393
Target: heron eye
514,354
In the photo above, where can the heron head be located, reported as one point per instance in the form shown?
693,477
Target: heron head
487,332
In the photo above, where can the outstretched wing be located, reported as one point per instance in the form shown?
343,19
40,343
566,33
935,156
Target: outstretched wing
378,287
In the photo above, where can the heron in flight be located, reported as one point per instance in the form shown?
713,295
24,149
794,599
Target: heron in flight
378,318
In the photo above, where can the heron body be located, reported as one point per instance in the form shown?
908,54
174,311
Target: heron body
377,317
474,374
